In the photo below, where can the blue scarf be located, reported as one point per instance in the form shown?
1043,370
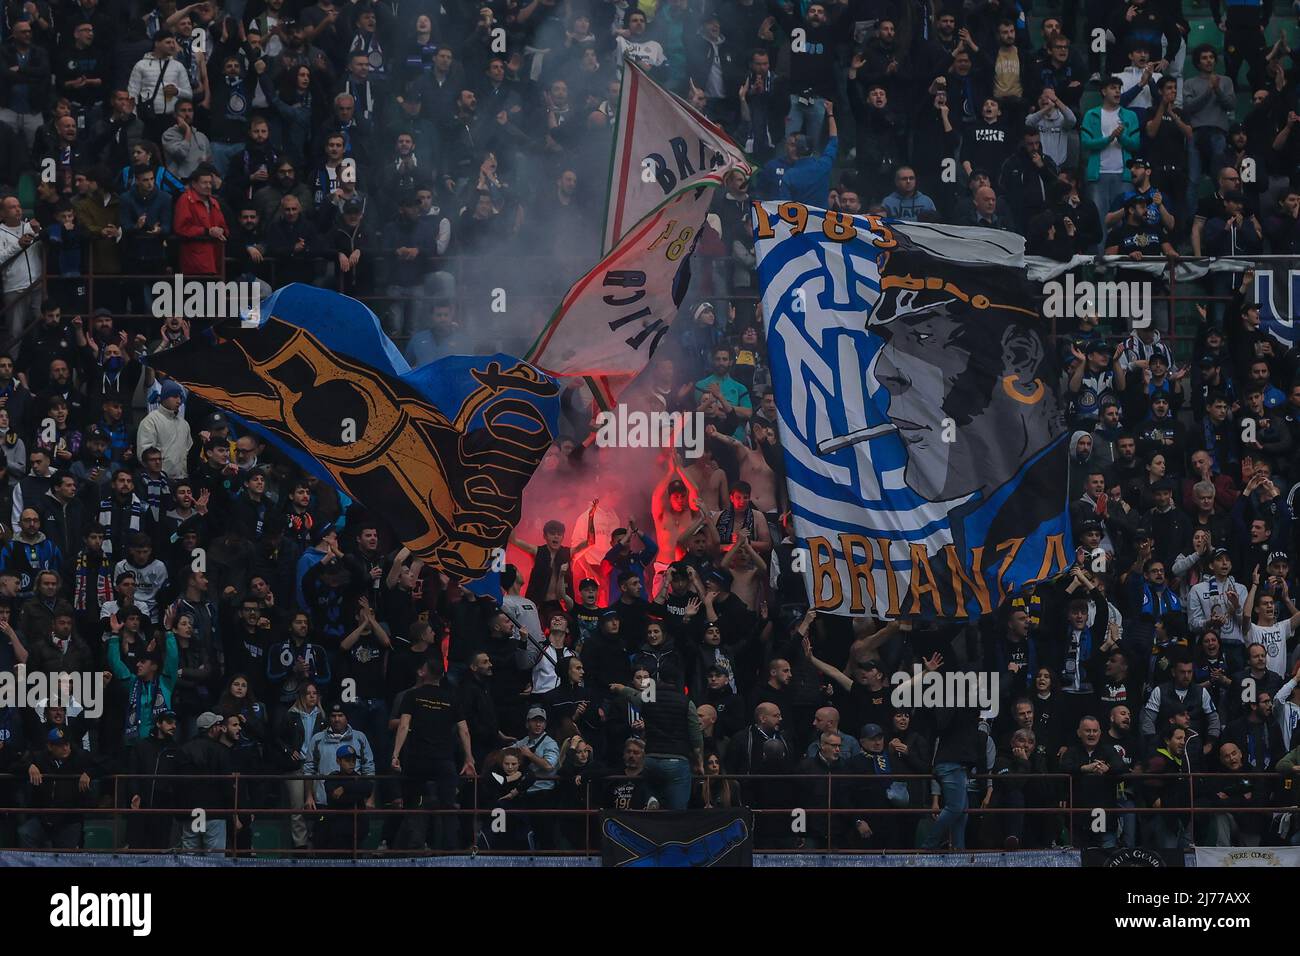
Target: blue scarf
1085,648
1157,604
146,697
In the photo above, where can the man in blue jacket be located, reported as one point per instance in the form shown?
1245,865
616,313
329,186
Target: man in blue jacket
799,176
323,750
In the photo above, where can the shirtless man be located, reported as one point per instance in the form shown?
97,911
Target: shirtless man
754,468
748,571
710,482
670,506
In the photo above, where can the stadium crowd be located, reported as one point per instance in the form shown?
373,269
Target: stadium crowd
248,620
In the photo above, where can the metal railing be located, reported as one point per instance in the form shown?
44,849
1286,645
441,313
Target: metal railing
791,820
473,283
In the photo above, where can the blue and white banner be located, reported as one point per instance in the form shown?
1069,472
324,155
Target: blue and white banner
1277,292
923,438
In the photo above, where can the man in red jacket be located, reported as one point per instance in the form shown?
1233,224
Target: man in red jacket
199,222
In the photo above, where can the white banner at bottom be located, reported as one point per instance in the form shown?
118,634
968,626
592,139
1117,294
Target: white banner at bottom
1280,856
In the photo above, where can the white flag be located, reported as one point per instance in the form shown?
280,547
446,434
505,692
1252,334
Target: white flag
662,146
612,320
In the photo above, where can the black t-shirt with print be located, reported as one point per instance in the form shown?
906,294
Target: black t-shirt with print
626,794
434,716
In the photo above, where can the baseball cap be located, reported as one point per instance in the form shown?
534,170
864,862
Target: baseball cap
536,712
207,719
720,577
588,583
166,715
216,420
1139,161
1136,199
1209,360
95,433
353,205
1098,345
57,736
1279,556
872,730
1218,553
337,709
1090,525
345,752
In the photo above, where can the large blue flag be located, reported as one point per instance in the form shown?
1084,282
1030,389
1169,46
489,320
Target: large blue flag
923,439
441,453
1277,292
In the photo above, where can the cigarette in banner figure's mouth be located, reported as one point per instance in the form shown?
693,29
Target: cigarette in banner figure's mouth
861,435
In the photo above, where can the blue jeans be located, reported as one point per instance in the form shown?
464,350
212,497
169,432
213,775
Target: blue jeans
807,120
1104,192
1208,143
1128,823
1168,832
406,305
34,834
952,787
1221,291
211,839
669,781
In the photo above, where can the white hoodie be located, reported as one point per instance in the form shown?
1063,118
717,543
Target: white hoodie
170,434
1202,599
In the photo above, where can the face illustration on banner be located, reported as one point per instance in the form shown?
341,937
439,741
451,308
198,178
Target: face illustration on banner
963,375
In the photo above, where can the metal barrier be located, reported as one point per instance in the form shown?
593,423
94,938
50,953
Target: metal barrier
1182,297
119,810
